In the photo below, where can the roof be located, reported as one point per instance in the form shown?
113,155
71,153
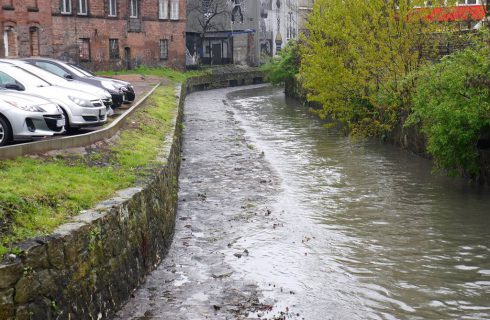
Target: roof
457,13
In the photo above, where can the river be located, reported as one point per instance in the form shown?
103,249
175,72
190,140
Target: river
280,218
381,237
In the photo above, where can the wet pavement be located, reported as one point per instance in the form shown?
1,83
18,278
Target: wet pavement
225,185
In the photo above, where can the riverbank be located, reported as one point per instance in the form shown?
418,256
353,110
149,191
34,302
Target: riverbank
409,138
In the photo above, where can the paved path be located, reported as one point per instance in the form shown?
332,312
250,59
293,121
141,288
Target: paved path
225,189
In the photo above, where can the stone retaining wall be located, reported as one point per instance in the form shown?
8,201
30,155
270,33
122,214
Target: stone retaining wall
225,79
88,267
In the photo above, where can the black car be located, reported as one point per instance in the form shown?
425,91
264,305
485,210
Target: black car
118,89
128,89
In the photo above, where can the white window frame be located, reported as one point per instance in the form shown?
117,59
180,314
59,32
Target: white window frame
6,47
66,6
112,8
82,4
133,10
162,9
174,9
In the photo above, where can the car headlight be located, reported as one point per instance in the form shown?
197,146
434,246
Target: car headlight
109,85
30,108
81,102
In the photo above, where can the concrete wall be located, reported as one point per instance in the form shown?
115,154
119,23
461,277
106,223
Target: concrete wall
88,267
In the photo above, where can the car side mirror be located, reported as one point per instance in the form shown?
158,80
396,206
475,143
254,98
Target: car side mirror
14,86
68,76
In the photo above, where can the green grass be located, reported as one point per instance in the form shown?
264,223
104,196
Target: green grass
39,194
159,72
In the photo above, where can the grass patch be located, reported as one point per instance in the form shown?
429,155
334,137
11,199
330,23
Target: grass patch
39,194
159,72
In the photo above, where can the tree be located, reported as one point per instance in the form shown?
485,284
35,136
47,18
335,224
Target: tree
210,15
357,55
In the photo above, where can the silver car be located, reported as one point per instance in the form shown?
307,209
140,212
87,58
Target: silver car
24,117
81,109
56,80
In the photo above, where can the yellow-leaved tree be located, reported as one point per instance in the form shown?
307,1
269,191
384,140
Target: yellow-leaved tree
357,54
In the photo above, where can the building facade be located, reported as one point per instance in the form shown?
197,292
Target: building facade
279,24
224,31
100,34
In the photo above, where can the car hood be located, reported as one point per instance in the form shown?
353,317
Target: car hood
56,92
22,97
119,82
88,88
12,98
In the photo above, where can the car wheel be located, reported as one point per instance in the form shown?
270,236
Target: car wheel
5,132
68,128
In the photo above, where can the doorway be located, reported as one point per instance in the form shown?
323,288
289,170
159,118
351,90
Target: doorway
216,54
127,57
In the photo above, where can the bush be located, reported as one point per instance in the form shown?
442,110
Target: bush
452,102
284,66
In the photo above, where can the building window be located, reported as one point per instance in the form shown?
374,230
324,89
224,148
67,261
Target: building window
133,10
32,6
66,6
112,8
163,9
10,42
174,10
467,2
34,41
84,44
113,48
163,49
82,7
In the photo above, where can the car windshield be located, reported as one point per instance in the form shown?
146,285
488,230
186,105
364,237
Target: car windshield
74,70
43,74
24,77
83,70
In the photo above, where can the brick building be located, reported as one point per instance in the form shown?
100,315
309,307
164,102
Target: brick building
101,34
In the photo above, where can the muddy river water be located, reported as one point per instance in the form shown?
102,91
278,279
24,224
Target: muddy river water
325,227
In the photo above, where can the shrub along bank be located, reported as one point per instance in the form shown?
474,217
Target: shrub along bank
451,103
37,194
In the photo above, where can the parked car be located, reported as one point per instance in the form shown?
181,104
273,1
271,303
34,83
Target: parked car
129,94
53,79
24,117
80,109
63,69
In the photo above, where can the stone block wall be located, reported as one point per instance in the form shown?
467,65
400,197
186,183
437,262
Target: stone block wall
88,268
225,79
